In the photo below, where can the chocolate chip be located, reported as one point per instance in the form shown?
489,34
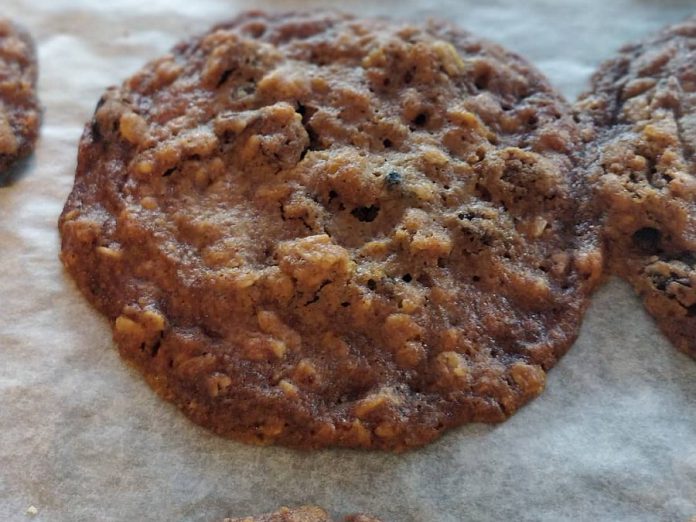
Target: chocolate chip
483,79
365,214
100,103
96,132
647,239
393,179
224,77
483,193
155,347
420,120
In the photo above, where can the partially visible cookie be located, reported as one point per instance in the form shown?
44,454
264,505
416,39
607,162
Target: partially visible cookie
315,230
19,106
641,116
301,514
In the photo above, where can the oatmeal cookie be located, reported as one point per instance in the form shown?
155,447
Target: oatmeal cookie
19,106
641,122
315,230
300,514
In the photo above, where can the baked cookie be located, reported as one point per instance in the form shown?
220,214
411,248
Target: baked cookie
301,514
641,116
19,106
316,230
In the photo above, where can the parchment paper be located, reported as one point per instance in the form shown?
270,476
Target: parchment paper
83,438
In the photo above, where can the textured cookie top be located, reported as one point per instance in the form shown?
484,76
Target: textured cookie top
642,105
316,230
300,514
19,107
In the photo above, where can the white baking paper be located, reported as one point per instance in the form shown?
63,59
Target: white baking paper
82,438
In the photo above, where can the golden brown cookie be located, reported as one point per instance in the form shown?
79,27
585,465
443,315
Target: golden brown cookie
19,106
301,514
315,230
641,116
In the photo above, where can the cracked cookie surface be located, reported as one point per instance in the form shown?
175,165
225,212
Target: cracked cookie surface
300,514
641,116
314,230
19,106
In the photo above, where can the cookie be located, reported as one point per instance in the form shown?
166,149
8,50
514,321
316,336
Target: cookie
301,514
19,106
315,230
641,125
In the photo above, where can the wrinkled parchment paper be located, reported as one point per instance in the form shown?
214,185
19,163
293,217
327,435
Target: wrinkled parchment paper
82,438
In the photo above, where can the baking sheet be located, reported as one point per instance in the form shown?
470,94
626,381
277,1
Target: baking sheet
83,438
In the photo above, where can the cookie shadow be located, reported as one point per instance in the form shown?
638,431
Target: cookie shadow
16,172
